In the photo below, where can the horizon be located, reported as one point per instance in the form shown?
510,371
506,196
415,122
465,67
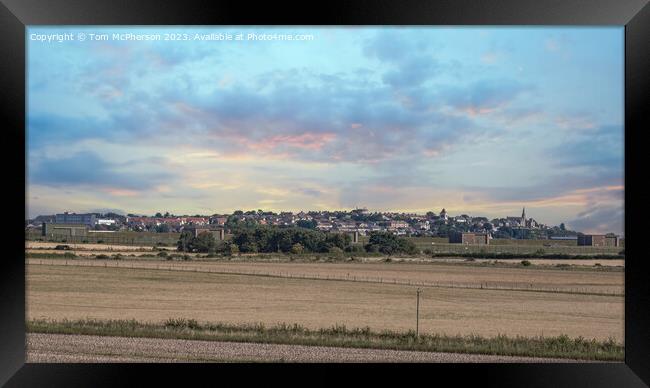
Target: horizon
485,119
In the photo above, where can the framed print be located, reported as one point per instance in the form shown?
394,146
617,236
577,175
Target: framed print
437,188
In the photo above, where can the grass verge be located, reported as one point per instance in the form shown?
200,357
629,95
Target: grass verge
548,347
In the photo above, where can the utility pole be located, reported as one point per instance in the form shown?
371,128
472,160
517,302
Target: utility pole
417,314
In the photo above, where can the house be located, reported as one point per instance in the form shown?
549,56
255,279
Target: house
324,225
219,220
397,225
196,220
513,221
40,219
74,218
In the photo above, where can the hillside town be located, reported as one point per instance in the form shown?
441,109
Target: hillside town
431,224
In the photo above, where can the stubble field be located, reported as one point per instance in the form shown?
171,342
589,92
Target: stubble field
155,294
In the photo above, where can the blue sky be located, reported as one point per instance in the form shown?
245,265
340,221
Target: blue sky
480,121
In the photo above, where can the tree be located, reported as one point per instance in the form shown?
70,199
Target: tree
335,250
339,240
296,248
162,228
562,227
249,247
204,242
185,241
283,240
231,249
158,215
232,222
388,243
166,214
504,232
257,238
307,224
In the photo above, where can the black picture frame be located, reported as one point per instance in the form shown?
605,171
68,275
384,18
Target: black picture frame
15,15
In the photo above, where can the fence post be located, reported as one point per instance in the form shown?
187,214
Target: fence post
417,314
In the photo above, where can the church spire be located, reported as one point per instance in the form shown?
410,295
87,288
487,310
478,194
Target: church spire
523,217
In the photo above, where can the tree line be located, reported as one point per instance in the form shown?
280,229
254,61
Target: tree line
295,240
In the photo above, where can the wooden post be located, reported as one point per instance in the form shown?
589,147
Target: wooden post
417,314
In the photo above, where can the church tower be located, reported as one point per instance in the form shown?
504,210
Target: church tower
523,217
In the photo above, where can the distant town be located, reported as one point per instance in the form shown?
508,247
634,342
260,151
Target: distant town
431,224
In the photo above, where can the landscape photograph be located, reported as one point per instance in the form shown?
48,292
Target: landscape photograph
324,194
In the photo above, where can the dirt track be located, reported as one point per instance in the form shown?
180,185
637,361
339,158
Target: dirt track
84,348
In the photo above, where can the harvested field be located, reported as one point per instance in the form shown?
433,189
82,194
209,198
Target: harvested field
72,292
548,262
89,247
88,253
439,275
84,348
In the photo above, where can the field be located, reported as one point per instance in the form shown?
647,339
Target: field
90,248
518,249
576,263
117,238
435,274
455,299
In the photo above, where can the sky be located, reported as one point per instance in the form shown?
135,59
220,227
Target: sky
477,120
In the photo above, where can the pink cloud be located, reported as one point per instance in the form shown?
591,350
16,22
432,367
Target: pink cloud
117,192
477,110
305,141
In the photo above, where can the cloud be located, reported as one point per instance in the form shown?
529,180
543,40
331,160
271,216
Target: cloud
48,129
410,61
600,149
297,113
392,117
333,121
485,96
310,192
393,45
411,72
105,210
573,189
87,169
600,219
